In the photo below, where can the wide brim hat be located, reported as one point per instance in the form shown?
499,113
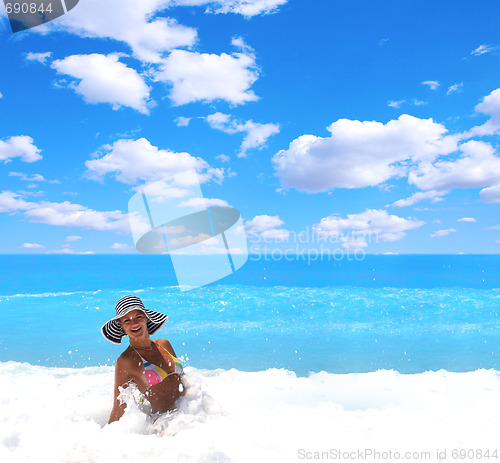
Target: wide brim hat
112,330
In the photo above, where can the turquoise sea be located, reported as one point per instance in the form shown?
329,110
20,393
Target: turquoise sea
408,313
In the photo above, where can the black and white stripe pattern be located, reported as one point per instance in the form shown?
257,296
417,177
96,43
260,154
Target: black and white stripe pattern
112,330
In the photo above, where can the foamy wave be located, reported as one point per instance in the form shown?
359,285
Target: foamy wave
60,415
57,294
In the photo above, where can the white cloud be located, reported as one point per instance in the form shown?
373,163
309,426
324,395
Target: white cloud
31,246
182,121
396,104
188,240
138,24
476,167
64,214
454,88
209,77
1,95
73,238
130,21
247,8
490,106
201,203
40,57
490,194
134,160
69,251
440,233
20,146
372,223
75,215
433,195
360,154
432,84
120,246
467,219
266,227
104,79
12,202
256,134
482,49
25,178
223,157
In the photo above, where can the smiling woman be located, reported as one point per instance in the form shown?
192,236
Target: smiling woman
151,365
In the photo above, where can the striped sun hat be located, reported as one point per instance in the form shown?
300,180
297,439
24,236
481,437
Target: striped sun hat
112,330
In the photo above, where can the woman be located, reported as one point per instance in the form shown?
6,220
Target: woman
151,365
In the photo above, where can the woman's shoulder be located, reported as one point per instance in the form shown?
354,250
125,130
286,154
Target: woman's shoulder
127,358
165,344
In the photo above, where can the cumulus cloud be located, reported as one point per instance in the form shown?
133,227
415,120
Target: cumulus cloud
12,202
20,146
490,106
139,24
208,77
476,167
432,84
132,161
256,134
490,194
266,227
373,224
73,238
467,219
40,57
440,233
360,153
104,79
64,214
130,21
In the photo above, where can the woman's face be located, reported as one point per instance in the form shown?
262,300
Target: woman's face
134,324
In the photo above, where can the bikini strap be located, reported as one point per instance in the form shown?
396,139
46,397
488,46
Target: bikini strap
159,345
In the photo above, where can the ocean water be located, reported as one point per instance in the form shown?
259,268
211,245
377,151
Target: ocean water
285,360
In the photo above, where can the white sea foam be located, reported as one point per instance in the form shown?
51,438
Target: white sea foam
60,415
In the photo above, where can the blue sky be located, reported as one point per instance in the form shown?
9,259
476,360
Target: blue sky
374,125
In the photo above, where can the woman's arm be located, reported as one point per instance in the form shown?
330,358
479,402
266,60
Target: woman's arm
122,379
